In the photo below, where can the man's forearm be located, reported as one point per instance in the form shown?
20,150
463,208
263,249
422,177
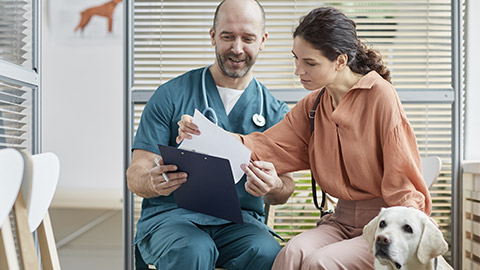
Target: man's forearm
139,182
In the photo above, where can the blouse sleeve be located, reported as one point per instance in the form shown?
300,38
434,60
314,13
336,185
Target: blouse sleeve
402,182
285,144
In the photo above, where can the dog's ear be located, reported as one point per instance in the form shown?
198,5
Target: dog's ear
431,242
369,231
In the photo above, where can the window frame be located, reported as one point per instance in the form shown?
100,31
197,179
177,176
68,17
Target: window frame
445,96
29,77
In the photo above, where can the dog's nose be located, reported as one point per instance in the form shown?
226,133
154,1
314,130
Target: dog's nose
383,240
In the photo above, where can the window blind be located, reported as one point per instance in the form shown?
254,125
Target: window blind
15,116
414,37
17,80
16,32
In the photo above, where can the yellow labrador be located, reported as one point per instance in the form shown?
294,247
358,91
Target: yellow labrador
405,238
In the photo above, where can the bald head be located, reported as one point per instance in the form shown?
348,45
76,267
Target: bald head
236,5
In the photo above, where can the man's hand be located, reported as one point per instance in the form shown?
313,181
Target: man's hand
145,178
162,186
186,127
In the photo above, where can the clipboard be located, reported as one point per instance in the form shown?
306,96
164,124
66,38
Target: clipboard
210,187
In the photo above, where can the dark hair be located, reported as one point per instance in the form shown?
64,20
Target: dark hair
215,18
331,32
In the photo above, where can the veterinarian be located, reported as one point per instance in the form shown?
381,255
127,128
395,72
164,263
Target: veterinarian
362,150
173,238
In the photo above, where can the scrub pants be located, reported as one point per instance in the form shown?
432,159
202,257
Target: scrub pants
182,245
336,242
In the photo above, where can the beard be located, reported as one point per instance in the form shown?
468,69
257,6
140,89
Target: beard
231,71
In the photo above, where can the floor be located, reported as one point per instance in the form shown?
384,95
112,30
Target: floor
96,246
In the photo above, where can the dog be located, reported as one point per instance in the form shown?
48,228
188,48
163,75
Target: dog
104,10
407,239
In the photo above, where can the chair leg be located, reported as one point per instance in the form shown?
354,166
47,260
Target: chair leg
28,254
46,242
8,256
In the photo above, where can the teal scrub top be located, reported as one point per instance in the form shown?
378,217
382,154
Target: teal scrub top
158,125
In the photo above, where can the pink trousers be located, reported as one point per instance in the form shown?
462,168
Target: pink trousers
336,242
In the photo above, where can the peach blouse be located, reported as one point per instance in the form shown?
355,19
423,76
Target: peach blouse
363,149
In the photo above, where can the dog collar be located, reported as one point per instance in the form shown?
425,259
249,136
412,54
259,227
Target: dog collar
435,264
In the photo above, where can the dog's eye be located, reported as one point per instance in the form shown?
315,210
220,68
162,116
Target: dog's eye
382,224
407,228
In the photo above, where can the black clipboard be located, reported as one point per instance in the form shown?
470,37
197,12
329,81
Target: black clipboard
210,187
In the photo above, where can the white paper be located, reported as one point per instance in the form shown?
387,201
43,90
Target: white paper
215,141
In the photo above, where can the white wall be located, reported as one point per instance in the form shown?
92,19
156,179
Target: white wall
82,101
82,122
472,117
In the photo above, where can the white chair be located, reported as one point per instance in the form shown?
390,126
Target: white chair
431,169
11,175
14,160
28,183
45,173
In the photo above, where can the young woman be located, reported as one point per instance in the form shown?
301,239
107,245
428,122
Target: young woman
362,150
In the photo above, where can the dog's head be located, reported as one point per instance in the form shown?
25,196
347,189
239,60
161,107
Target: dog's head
401,236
